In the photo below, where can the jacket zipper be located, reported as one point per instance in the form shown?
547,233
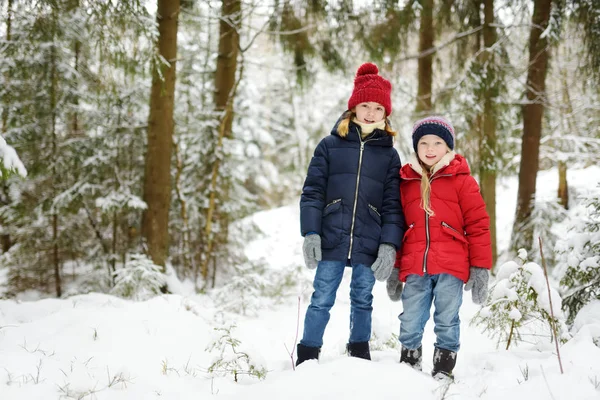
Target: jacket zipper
362,147
360,157
427,247
374,209
449,227
427,228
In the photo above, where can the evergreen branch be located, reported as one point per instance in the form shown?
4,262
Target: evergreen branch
448,42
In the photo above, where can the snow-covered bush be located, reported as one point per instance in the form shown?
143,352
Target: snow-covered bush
587,323
579,259
518,304
538,224
10,163
543,212
232,358
253,286
140,279
242,294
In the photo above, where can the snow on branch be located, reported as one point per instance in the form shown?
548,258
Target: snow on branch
11,163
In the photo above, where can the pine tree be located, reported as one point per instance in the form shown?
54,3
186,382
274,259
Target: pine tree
518,304
63,87
139,279
579,259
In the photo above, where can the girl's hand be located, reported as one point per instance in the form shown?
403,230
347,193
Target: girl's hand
383,265
312,250
394,286
478,281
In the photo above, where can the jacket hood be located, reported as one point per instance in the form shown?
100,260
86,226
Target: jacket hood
378,137
451,163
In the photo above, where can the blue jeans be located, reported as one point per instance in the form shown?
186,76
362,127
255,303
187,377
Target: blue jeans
445,291
327,280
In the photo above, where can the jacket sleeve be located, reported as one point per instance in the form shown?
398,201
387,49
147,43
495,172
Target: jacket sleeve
392,217
312,200
477,224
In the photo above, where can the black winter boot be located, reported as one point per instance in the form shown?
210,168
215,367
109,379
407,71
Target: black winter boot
412,357
360,350
443,363
306,353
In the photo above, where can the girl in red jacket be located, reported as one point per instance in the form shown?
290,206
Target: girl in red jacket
447,243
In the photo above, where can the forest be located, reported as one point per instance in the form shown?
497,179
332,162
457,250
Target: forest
137,135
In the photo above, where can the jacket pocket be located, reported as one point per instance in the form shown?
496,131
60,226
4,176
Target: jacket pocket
332,224
454,233
375,214
369,233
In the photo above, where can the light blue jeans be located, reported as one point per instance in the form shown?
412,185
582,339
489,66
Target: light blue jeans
445,291
327,280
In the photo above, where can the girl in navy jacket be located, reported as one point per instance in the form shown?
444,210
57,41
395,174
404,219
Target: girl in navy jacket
350,213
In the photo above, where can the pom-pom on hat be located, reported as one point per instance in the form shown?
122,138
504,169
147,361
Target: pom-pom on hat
369,86
434,125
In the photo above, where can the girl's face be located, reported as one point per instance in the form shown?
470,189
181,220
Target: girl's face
369,112
431,149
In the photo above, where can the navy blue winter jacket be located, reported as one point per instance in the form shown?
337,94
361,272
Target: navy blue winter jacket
351,196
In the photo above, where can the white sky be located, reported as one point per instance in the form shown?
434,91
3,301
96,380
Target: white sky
101,347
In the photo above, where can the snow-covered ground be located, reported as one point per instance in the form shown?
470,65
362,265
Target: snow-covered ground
98,346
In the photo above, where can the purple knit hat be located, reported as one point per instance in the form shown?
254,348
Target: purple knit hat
433,125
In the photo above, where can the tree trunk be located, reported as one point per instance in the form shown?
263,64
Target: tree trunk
157,177
9,17
5,240
563,187
75,118
55,175
113,252
225,84
425,64
227,59
185,229
489,154
533,111
56,256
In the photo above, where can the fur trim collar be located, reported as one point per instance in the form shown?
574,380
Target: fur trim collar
444,162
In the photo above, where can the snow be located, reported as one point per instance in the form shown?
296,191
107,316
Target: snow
10,159
98,346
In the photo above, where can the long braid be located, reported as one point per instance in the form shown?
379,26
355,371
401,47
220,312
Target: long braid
426,191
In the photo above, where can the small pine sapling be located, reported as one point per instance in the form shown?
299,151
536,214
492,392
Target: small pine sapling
231,358
519,298
140,279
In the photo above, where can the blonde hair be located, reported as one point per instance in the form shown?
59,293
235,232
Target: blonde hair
426,185
344,125
426,190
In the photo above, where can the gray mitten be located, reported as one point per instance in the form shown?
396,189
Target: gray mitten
394,285
312,250
478,281
386,257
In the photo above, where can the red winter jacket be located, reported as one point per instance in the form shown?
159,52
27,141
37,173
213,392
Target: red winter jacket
458,235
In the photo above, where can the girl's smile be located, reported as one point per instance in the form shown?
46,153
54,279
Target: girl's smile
431,149
369,112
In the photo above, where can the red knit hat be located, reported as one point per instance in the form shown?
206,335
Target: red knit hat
369,86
